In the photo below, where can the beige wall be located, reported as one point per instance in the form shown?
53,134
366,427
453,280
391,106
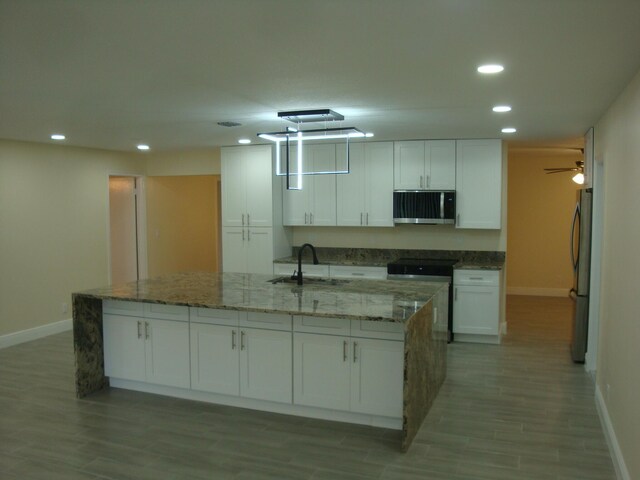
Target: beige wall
182,224
540,212
54,219
617,145
188,162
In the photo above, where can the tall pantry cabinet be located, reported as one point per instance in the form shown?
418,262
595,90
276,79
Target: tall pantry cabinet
252,234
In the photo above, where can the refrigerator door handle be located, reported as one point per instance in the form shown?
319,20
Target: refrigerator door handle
574,255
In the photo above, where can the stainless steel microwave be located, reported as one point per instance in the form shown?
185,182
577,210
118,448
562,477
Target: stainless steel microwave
424,206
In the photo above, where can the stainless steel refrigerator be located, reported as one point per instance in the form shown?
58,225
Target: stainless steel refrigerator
581,260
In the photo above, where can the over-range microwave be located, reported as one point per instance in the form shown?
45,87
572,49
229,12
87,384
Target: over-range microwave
424,206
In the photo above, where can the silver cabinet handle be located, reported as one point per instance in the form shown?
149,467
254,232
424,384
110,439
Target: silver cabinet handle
360,218
357,274
248,220
476,278
243,234
435,315
420,181
367,222
233,339
310,218
243,219
355,349
146,330
241,340
139,332
456,295
248,235
344,351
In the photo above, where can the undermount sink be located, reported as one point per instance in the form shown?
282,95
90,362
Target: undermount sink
308,281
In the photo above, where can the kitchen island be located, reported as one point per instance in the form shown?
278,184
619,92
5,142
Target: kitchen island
409,307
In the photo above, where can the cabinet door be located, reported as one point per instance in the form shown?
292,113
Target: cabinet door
295,203
408,165
440,156
476,310
167,353
215,362
124,347
259,250
377,377
350,187
265,364
322,191
258,174
321,371
478,183
234,257
379,184
233,187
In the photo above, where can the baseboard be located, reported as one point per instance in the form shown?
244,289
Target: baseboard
22,336
538,292
614,447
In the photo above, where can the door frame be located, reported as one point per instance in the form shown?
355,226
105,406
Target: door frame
141,225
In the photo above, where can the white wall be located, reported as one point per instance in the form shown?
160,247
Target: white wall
617,144
188,162
53,227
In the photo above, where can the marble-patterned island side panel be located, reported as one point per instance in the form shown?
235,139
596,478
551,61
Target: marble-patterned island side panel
379,257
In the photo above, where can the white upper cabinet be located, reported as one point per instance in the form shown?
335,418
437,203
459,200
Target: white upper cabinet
247,186
425,165
315,204
479,183
365,195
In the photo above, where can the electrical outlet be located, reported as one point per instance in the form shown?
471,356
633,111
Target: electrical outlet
64,308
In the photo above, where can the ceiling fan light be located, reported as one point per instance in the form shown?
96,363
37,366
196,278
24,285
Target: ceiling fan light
578,178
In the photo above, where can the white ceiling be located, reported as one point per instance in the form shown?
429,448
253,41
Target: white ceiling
114,73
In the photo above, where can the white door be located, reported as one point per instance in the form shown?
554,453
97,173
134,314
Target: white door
258,174
167,352
215,361
234,204
441,157
259,250
234,257
377,377
321,371
408,165
123,229
379,184
350,187
124,343
476,310
265,364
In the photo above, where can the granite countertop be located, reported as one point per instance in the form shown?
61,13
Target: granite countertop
379,300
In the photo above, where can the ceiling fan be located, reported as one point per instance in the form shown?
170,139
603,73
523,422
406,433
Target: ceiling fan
579,168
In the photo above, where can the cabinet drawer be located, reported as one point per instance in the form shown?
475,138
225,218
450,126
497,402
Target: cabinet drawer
325,325
488,278
166,312
215,316
373,329
344,271
268,321
120,307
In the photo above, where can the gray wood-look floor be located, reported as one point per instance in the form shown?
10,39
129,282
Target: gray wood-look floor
520,410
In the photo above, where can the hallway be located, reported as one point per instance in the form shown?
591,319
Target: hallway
520,410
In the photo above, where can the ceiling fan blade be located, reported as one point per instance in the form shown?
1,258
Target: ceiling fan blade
558,171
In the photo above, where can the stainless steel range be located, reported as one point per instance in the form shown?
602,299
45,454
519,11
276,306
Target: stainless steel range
429,270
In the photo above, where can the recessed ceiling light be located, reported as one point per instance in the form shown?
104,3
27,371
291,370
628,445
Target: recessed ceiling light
501,108
57,136
143,147
509,130
490,68
244,141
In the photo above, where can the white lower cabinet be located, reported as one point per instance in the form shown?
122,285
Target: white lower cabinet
361,375
247,250
146,349
240,360
476,305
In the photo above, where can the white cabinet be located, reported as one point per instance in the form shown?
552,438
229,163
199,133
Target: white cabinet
349,373
247,250
425,165
149,344
476,306
315,204
230,356
365,195
479,183
246,186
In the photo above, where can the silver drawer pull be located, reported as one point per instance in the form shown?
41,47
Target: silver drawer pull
476,278
356,274
233,339
139,332
344,351
355,348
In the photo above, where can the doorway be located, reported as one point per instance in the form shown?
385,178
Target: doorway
126,227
